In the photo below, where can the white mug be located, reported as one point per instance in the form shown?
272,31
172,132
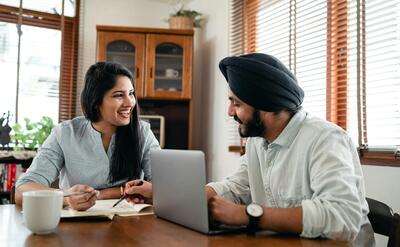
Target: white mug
171,73
42,210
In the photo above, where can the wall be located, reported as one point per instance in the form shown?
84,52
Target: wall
383,184
210,120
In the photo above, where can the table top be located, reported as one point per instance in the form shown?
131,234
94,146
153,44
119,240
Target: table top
135,231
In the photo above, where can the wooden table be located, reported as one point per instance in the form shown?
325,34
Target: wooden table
134,231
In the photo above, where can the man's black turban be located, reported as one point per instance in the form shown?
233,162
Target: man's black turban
262,81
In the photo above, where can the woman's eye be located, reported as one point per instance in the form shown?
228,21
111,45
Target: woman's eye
118,95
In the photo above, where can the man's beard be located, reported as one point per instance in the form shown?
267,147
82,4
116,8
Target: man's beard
253,128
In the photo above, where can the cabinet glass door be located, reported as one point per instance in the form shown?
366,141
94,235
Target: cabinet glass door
122,52
126,49
168,68
169,60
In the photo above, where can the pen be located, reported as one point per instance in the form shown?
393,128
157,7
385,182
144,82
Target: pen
120,200
133,195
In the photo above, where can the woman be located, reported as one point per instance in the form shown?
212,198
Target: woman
96,154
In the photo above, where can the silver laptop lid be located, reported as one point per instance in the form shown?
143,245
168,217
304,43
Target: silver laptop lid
179,187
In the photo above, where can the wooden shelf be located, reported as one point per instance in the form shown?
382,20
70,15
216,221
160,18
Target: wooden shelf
236,149
121,53
169,56
168,78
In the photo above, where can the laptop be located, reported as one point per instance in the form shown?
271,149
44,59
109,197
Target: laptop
179,195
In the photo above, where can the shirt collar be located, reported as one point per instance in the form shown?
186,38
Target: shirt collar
288,134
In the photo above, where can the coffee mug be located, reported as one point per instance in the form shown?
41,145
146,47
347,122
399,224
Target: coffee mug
171,73
42,210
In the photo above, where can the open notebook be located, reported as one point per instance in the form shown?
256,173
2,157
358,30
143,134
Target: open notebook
103,208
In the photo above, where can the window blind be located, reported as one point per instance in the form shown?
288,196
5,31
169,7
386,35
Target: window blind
345,55
382,61
236,47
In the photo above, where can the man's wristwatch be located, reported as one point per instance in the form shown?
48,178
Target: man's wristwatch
254,211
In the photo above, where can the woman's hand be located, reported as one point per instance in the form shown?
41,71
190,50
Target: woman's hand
82,201
138,191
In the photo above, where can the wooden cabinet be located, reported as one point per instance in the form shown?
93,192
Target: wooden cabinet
161,62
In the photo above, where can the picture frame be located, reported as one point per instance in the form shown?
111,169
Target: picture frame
157,126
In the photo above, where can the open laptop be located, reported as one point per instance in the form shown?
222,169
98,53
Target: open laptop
179,190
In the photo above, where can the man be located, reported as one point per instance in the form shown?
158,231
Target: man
300,174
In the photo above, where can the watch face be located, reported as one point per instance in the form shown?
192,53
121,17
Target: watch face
254,210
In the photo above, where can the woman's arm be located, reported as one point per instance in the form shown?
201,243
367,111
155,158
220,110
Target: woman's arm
28,187
78,202
110,193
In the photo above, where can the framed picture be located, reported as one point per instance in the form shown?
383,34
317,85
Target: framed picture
157,126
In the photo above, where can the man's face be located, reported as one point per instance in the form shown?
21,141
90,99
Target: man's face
250,124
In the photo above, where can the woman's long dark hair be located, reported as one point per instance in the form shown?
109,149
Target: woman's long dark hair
125,159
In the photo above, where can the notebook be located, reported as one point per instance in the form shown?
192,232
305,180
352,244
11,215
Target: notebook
179,194
103,208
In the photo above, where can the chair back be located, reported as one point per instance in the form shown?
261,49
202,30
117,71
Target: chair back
384,221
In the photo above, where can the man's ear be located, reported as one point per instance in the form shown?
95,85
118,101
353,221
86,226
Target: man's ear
264,115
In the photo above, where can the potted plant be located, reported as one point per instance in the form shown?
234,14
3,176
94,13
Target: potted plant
32,135
185,19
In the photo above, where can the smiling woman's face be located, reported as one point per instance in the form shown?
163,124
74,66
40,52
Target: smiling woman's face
118,102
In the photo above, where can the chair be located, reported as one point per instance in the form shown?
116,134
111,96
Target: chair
384,221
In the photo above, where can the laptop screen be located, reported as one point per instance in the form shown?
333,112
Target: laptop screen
179,187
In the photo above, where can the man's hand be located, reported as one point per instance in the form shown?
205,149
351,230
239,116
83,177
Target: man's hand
226,212
210,192
83,201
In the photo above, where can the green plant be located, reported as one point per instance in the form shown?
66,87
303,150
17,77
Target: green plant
196,17
32,135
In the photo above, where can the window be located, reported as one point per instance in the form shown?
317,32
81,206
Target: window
38,59
345,54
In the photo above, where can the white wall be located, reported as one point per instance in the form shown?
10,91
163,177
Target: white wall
383,184
210,120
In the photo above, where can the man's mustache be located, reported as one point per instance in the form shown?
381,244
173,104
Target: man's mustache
237,119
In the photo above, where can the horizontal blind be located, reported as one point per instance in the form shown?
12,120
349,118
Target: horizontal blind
273,29
236,47
352,126
382,51
337,53
69,69
295,33
311,36
345,55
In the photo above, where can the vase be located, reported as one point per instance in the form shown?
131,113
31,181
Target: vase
180,22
